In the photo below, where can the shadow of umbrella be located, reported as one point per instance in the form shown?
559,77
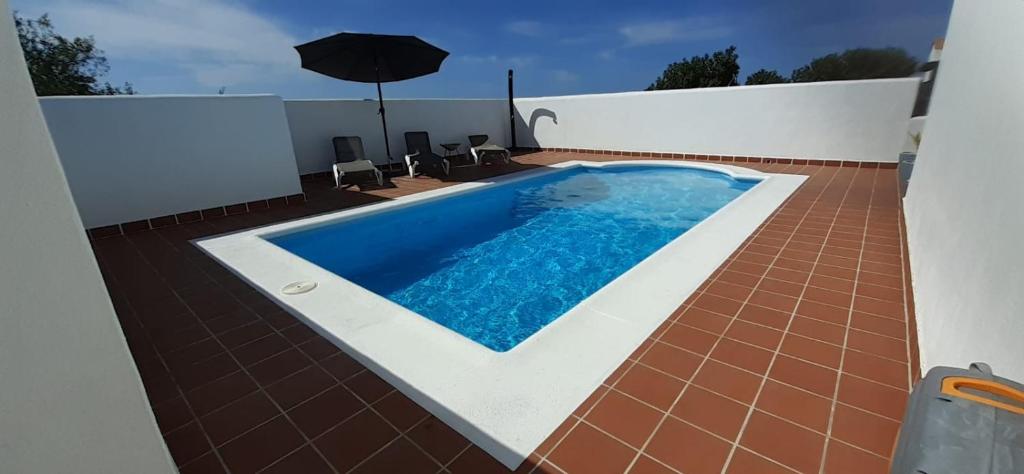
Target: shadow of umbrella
370,58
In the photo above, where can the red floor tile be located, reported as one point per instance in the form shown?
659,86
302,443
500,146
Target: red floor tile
764,316
862,429
755,335
744,356
300,387
650,386
704,320
262,446
687,449
586,449
400,411
671,360
876,398
349,444
810,377
725,380
874,344
325,410
784,442
624,418
305,460
818,330
881,370
746,462
187,443
647,465
812,350
369,387
399,456
180,311
841,458
438,439
240,416
711,412
800,407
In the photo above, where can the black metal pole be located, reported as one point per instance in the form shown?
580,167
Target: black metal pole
384,123
511,111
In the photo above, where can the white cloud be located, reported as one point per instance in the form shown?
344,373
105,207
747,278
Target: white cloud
561,75
529,28
672,31
218,41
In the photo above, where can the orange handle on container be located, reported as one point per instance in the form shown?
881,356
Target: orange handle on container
951,386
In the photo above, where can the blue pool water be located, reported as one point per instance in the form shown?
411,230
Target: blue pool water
498,264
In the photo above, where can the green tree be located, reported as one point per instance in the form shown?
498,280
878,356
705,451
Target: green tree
765,76
860,63
62,66
716,70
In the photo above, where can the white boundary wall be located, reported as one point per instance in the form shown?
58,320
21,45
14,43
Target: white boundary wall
130,158
70,397
314,122
847,120
964,207
135,157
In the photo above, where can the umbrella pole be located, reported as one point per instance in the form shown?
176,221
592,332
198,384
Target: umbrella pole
383,121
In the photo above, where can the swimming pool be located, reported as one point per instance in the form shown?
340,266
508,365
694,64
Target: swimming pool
508,402
500,264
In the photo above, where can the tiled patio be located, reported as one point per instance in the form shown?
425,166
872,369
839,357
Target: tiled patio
793,357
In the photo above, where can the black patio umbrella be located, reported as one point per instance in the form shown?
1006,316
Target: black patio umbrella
363,57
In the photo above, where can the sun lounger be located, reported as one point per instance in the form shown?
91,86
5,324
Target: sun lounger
350,162
421,157
479,149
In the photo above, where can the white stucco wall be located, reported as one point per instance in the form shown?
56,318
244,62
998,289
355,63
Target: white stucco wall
135,157
915,126
965,205
71,400
848,120
314,122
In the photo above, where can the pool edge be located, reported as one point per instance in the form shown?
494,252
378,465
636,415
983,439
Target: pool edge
601,305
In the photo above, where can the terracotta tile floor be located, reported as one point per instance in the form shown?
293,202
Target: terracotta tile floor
793,356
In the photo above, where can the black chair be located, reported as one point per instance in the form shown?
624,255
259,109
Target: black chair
350,162
420,156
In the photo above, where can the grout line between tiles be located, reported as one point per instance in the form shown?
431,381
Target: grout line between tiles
842,358
771,363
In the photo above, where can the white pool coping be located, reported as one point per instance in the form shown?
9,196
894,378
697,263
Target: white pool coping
507,403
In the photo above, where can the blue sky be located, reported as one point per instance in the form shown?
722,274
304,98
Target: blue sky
556,47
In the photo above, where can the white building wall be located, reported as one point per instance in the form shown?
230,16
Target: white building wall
135,157
965,205
314,123
71,400
847,120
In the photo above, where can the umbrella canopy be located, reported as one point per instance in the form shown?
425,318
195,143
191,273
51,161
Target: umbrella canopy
371,58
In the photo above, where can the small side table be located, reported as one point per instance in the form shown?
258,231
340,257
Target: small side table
451,152
451,149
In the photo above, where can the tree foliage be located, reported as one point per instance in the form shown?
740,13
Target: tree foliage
766,76
62,66
860,63
716,70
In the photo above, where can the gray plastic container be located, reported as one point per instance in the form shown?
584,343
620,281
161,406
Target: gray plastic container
962,421
906,168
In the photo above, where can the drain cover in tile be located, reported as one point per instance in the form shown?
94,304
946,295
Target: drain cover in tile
298,287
